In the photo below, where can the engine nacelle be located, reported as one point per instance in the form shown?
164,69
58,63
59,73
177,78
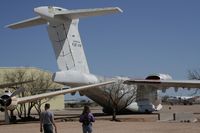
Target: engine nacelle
6,101
159,77
74,78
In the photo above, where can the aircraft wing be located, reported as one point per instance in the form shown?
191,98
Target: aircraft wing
73,14
13,84
166,83
56,93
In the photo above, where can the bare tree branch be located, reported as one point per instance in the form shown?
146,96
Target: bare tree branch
119,96
194,75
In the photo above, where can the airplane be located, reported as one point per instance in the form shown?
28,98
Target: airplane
185,100
62,27
4,100
9,101
78,102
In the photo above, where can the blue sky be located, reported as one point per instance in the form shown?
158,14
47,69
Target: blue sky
150,36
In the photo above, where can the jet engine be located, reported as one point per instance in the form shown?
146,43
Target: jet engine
159,77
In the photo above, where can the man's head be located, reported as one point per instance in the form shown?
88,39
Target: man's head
47,106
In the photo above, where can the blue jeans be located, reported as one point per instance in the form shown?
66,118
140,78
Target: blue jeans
48,128
87,128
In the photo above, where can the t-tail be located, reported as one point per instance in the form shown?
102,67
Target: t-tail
64,35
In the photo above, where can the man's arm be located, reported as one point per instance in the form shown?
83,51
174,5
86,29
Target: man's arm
92,117
41,119
53,122
81,118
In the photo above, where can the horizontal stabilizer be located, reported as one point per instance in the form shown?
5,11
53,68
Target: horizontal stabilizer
27,23
74,14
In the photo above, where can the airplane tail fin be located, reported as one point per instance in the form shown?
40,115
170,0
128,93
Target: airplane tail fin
64,34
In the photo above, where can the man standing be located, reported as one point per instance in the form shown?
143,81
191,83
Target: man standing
47,120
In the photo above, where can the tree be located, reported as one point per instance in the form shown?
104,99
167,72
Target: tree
194,75
42,83
119,96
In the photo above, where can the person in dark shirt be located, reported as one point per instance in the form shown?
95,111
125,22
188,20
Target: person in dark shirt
86,119
47,120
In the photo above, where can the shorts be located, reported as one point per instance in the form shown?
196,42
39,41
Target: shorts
48,128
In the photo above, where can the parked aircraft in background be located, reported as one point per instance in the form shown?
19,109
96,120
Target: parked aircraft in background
73,103
185,100
62,26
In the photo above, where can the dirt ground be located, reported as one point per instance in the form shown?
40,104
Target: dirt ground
105,126
129,123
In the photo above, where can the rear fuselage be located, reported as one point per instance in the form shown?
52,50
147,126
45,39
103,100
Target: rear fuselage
146,99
